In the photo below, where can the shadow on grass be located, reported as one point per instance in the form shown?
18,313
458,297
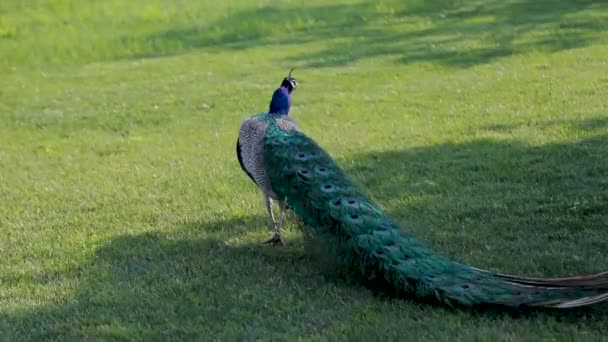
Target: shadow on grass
584,125
451,32
152,285
545,206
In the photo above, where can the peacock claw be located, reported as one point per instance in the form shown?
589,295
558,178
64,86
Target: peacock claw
275,240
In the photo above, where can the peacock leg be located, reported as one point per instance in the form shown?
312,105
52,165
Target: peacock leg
276,238
268,202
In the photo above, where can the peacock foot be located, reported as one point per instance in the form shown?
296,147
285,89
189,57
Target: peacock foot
275,240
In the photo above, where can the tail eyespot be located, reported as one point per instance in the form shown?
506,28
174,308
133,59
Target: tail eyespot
327,187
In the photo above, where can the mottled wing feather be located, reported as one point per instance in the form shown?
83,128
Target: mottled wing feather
250,148
251,136
239,156
287,123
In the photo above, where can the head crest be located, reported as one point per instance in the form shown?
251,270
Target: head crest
290,82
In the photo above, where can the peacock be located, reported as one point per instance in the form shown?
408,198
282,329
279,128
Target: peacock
293,170
250,149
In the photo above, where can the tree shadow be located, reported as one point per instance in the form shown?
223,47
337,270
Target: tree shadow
450,32
596,123
153,285
546,207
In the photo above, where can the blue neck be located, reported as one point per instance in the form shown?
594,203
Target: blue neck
280,103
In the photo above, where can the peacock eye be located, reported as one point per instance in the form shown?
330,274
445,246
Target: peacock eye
354,216
351,201
321,170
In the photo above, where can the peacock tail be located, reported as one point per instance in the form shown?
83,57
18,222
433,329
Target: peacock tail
363,236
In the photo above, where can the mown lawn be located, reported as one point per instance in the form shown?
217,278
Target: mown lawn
481,126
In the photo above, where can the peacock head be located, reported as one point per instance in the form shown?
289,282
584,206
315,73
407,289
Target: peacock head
289,82
281,99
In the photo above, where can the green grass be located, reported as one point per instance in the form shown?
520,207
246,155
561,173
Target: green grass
481,126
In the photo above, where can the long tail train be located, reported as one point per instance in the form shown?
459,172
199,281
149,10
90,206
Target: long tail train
363,236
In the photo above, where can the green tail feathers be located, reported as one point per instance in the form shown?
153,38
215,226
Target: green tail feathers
363,236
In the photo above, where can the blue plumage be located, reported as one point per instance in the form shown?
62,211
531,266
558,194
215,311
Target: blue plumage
281,101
